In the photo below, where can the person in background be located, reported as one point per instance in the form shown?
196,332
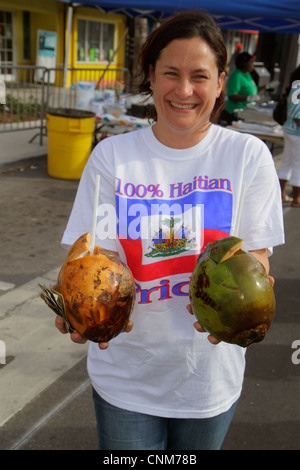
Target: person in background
241,88
231,64
166,384
289,172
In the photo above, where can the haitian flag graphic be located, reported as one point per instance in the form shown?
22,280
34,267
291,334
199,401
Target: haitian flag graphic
162,236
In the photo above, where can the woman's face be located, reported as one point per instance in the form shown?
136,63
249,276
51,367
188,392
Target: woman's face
249,65
185,85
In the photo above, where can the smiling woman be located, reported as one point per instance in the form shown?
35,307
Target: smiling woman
187,25
174,186
185,84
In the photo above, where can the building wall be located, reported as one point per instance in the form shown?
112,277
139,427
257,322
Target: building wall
51,15
92,14
44,15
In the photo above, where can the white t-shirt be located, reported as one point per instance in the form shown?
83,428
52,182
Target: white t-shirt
169,204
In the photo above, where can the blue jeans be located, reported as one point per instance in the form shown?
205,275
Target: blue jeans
120,429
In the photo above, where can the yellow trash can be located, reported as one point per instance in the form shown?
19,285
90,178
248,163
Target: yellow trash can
70,136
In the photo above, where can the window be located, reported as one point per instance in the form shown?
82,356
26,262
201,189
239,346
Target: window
6,38
26,35
95,41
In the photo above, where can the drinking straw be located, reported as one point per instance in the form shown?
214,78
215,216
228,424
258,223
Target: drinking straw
95,214
239,213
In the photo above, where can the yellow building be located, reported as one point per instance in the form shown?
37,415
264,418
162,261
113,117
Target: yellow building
34,32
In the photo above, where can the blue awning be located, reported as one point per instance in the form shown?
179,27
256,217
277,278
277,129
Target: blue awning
281,16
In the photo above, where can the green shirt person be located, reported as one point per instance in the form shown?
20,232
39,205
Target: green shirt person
241,88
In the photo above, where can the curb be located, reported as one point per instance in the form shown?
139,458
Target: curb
36,354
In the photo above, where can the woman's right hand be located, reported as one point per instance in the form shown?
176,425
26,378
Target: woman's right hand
77,338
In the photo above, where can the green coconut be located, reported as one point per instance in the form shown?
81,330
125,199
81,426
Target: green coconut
231,294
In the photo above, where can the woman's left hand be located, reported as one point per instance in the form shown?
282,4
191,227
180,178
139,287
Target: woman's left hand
200,328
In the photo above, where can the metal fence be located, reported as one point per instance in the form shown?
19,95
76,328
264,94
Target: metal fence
31,91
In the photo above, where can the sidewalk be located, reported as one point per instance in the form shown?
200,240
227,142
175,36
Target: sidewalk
36,353
16,145
34,212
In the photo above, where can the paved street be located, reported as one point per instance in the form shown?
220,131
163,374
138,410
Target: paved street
45,392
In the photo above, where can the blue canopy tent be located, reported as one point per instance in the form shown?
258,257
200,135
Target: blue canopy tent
282,16
275,16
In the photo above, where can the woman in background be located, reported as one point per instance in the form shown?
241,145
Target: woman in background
241,88
289,171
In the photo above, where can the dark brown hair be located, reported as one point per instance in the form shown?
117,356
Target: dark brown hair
184,25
